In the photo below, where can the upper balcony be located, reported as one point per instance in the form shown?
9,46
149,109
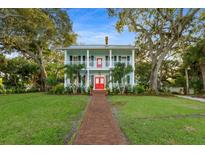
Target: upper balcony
95,65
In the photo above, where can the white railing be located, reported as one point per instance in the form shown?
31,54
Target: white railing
93,64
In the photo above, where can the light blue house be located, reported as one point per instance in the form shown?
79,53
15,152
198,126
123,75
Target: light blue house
99,60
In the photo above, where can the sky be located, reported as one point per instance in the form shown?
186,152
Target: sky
92,25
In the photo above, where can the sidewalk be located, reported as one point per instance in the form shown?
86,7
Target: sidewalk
192,98
98,125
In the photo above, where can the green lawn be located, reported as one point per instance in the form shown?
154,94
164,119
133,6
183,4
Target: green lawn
160,120
38,118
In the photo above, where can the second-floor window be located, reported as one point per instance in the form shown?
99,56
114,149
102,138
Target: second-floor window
128,60
106,61
123,59
75,59
84,60
91,59
99,62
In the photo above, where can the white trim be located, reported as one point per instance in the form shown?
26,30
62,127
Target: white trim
88,79
133,66
133,59
88,71
76,47
88,60
110,54
110,84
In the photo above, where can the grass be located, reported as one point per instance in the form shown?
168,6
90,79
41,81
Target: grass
38,118
160,120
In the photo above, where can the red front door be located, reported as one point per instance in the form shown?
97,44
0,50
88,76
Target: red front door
99,62
99,83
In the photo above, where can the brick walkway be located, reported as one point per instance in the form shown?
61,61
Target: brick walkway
98,125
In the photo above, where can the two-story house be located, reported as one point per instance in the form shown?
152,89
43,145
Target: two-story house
99,60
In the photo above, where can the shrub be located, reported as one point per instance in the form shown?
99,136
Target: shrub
69,90
116,90
79,90
33,89
108,91
89,89
2,91
9,91
58,89
128,89
82,90
139,89
52,81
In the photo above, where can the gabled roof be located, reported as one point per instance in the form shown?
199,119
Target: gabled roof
74,47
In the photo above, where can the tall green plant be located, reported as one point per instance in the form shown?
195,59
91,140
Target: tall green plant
73,73
119,73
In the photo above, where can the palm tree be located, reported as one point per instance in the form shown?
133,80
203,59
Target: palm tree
119,73
73,73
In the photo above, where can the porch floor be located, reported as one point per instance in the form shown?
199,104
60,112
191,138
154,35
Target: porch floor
99,125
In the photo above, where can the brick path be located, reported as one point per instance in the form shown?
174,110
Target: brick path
98,125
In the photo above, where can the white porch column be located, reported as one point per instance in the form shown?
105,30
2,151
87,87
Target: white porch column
110,84
133,66
88,79
110,58
88,52
87,68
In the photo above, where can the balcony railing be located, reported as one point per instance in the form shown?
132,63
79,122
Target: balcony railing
93,64
76,62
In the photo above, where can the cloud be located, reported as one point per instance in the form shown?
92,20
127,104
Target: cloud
92,25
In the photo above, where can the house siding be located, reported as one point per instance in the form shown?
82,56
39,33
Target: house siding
92,70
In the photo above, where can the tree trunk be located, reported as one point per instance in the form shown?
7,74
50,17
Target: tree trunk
153,78
202,66
156,64
43,73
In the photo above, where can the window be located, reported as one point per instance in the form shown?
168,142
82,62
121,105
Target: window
107,80
123,59
106,61
91,58
115,58
97,80
128,59
83,59
75,59
79,59
92,80
102,80
99,62
128,79
119,58
71,58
